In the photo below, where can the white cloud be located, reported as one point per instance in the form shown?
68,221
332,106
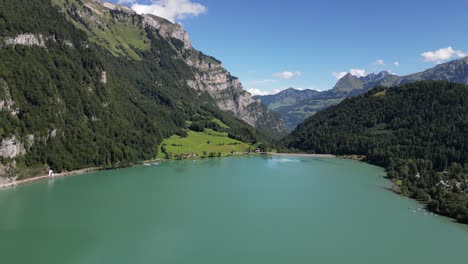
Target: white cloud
355,72
254,91
339,75
442,54
171,9
396,64
379,62
358,72
126,1
287,74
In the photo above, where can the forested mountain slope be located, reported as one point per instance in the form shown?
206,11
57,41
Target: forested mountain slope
84,83
418,132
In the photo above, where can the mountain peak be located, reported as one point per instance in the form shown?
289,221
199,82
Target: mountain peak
349,75
369,77
348,83
291,89
383,74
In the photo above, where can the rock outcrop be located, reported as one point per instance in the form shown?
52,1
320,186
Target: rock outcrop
103,77
226,90
11,148
27,40
6,101
167,29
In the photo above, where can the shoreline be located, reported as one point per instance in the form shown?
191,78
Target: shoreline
44,177
86,170
304,155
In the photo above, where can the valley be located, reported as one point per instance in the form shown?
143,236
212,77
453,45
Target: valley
181,161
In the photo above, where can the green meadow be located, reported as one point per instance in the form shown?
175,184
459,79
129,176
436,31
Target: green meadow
202,144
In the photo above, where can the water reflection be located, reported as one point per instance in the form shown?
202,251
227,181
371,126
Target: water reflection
50,183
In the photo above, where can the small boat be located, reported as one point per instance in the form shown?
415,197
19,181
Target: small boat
146,164
155,163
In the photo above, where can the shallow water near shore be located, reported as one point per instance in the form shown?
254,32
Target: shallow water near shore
234,210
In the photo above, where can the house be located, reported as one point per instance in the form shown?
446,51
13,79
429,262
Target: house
443,183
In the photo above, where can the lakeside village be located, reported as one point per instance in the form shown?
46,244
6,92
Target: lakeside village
450,184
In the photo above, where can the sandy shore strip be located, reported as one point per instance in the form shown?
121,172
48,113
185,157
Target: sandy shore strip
304,155
43,177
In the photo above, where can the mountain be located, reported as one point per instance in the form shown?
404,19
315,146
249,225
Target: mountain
295,107
281,103
87,83
454,71
416,131
349,85
286,97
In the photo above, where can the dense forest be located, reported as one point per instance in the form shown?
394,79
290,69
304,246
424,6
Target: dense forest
78,105
418,132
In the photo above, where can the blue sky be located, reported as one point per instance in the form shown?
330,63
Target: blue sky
273,45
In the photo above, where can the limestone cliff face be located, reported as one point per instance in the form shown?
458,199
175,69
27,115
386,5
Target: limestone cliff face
27,40
227,90
11,148
6,101
167,29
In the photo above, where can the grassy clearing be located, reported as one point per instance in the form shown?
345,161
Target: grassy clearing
220,123
202,143
381,93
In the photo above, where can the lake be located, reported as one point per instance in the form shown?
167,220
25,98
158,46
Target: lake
234,210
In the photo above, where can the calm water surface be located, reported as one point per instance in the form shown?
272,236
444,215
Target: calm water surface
238,210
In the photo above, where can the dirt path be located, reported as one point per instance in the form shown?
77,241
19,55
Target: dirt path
43,177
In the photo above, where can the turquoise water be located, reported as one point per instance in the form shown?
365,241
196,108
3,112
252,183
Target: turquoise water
237,210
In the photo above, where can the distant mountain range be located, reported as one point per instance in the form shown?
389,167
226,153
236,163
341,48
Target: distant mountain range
296,105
